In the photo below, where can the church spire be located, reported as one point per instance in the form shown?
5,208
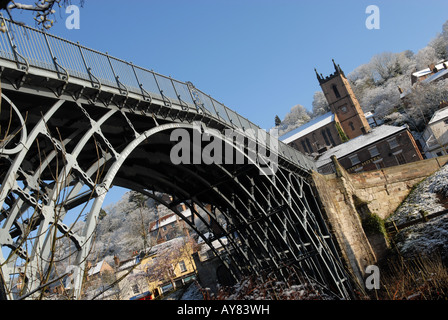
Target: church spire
319,78
337,68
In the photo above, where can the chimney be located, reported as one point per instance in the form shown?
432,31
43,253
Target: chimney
433,68
116,261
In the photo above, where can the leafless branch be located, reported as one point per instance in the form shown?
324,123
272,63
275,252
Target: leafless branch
44,10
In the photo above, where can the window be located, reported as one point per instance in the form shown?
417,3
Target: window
304,146
354,159
170,271
373,151
392,143
336,91
351,126
182,266
399,157
310,148
379,164
327,142
330,136
135,289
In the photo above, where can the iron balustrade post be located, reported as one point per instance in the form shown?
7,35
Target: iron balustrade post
210,98
195,98
119,84
14,47
145,94
161,90
88,69
217,112
178,96
56,64
51,53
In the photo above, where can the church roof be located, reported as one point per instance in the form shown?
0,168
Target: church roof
308,127
349,147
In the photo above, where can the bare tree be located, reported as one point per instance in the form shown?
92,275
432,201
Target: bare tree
43,10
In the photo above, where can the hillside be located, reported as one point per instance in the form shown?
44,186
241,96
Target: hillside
425,239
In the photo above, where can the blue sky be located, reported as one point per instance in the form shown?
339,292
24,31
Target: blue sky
255,56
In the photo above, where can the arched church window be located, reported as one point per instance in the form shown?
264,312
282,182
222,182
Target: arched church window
336,91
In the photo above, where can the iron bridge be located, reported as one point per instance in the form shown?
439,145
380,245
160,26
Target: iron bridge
75,122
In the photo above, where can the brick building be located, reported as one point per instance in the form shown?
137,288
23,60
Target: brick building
384,146
169,226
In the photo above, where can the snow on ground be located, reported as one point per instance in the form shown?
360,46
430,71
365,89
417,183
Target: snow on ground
424,197
425,239
260,289
430,237
189,292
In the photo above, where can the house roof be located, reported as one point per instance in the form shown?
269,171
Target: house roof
168,219
96,269
441,72
153,250
342,150
215,243
369,114
436,76
307,128
439,115
426,71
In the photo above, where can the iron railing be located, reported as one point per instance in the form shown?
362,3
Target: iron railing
32,48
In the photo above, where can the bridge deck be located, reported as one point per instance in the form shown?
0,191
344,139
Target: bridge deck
27,52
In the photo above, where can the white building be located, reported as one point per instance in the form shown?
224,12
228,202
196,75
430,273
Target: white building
435,137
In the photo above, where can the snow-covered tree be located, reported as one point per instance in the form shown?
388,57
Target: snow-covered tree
127,223
320,104
425,99
297,116
425,57
440,46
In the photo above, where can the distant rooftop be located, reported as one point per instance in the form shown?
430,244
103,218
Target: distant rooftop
96,269
166,220
342,150
308,127
427,71
441,72
439,115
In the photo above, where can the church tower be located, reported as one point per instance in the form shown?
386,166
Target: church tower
343,103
